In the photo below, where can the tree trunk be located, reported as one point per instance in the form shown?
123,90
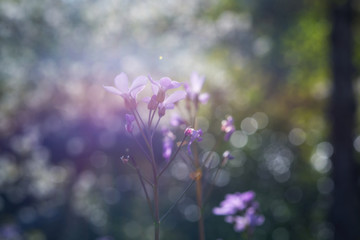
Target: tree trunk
345,209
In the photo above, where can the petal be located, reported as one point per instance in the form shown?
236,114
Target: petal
155,89
122,82
204,98
113,90
138,85
154,85
165,83
175,84
169,106
176,96
196,82
146,99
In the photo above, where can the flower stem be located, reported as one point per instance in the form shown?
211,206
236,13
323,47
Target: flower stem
180,197
143,186
156,206
199,193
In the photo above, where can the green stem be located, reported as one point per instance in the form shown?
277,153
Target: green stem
180,197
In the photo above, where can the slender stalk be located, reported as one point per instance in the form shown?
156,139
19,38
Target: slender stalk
149,123
156,191
143,186
156,206
153,115
212,184
180,197
142,149
141,130
146,179
173,157
187,160
138,114
199,193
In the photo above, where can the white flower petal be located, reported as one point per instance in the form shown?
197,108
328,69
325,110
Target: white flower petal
122,82
196,82
138,85
113,90
173,98
204,98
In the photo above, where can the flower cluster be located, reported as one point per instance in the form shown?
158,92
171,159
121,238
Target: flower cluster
240,209
158,101
195,135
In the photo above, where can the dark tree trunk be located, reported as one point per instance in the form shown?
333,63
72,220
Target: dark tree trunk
345,209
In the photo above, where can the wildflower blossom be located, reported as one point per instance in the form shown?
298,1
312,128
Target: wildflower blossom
169,102
160,87
128,93
226,157
168,142
195,135
228,127
194,88
240,209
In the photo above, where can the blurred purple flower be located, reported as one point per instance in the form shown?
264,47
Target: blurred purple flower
128,93
129,122
231,204
160,87
241,209
195,135
228,127
169,102
168,143
226,157
253,218
176,120
193,89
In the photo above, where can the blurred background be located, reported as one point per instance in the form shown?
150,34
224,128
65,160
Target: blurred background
285,70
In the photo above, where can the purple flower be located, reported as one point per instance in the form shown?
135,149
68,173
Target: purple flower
169,102
176,120
240,223
129,122
160,87
168,142
240,209
228,127
128,93
193,89
195,135
253,218
231,204
226,157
